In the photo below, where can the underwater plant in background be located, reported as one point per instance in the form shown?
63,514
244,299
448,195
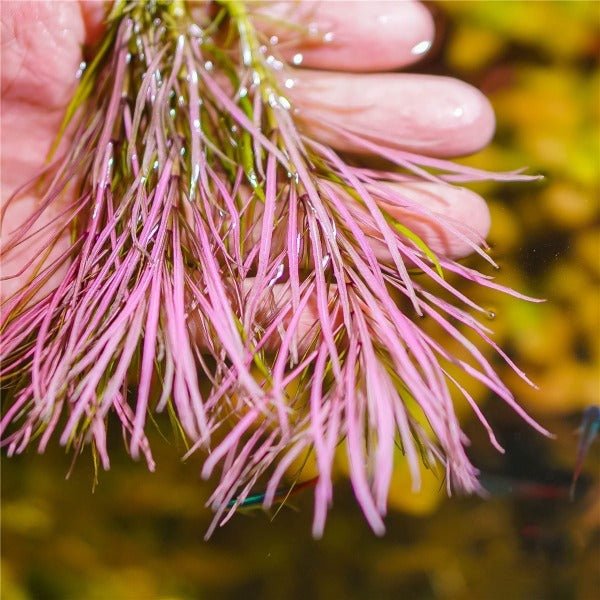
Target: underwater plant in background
228,268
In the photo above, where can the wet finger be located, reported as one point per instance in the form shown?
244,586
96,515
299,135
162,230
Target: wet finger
41,51
348,36
275,300
463,216
458,219
436,116
452,221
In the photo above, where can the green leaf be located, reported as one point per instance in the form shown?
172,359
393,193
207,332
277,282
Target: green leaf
85,87
420,244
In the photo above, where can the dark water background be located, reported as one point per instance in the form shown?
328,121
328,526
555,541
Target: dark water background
139,536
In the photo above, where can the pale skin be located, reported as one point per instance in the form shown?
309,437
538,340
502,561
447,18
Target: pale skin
42,49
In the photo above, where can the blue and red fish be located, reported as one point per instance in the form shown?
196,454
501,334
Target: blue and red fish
590,427
281,495
494,484
501,486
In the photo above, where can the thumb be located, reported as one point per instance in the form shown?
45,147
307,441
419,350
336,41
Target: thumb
41,53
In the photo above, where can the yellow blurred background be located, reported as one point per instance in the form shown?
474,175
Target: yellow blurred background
139,536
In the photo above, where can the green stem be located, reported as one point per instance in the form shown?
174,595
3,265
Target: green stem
249,42
251,56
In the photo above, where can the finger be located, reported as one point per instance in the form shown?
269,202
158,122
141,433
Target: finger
276,300
450,219
436,116
463,217
41,51
349,36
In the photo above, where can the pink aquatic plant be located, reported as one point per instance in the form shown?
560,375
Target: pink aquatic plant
230,269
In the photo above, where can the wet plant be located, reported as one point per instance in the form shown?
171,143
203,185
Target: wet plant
249,280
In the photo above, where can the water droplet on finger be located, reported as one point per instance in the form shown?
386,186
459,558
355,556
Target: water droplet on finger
81,69
421,48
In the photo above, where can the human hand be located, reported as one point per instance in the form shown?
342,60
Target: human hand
437,116
219,277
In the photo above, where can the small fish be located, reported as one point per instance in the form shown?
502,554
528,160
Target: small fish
501,486
281,495
590,426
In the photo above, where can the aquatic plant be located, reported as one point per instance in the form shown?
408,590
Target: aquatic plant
230,269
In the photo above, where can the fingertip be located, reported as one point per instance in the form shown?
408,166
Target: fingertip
352,36
464,218
421,31
444,116
374,36
428,114
469,119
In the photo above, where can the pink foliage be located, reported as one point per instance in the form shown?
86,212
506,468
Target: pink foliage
224,264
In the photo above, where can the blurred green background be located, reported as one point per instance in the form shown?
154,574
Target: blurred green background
139,536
